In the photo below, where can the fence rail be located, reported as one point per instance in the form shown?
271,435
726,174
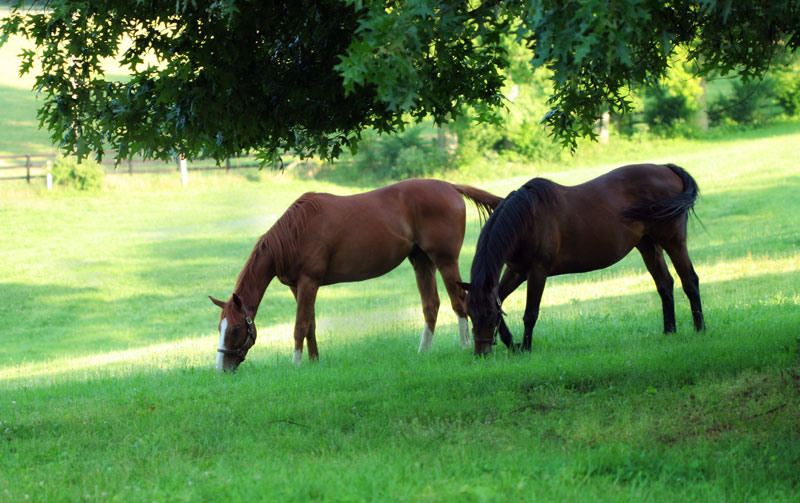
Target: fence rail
32,166
24,166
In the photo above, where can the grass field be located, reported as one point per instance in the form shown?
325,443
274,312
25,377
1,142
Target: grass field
108,392
107,344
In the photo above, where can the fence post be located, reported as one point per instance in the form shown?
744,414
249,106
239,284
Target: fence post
184,175
130,167
605,122
227,164
49,176
28,168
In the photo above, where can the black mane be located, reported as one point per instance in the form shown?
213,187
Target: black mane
501,233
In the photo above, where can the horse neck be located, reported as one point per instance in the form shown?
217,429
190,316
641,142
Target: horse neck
509,228
487,284
489,260
256,275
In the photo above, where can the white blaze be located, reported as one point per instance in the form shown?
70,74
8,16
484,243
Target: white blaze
223,327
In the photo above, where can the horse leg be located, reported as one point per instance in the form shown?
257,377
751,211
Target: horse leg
509,282
311,336
458,298
305,294
679,254
536,281
653,256
425,272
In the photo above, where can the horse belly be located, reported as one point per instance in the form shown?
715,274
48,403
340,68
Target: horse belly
366,258
585,256
579,265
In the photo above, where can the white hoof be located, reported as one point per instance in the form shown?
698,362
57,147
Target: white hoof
297,358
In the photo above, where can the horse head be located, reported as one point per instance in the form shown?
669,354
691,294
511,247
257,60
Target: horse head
237,333
485,312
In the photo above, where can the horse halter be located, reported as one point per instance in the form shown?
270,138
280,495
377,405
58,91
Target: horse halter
251,337
500,314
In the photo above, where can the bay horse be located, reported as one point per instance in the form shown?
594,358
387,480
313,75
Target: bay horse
545,229
324,239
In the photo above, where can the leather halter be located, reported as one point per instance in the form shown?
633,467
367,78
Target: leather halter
493,338
251,337
500,315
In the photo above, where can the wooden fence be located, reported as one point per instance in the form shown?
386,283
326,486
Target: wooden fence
24,166
32,166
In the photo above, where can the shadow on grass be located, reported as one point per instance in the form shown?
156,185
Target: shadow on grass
378,390
590,359
30,311
55,320
19,124
68,321
196,265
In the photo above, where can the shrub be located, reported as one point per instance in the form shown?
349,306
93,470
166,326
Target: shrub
664,110
671,107
518,132
408,154
787,86
84,175
747,103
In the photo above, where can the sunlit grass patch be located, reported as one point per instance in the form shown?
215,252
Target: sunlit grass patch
108,389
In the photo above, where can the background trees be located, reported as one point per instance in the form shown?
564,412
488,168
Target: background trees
222,78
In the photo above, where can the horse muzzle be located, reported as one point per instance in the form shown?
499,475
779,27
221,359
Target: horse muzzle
483,347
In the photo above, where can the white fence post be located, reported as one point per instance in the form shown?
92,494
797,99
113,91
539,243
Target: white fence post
184,174
605,122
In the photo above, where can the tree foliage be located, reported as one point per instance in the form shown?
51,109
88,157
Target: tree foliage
224,77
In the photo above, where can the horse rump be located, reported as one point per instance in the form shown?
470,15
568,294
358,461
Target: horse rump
670,209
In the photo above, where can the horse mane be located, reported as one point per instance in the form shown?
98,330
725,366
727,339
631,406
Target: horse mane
499,237
282,240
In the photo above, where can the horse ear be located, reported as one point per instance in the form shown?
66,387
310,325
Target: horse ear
464,286
217,302
237,301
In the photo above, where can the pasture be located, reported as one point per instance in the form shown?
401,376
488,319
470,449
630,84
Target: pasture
108,390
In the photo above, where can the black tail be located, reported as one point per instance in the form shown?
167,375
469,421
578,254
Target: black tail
669,209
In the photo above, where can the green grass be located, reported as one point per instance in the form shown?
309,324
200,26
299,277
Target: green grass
18,122
108,392
107,340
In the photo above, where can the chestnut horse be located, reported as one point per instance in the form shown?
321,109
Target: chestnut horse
546,229
324,239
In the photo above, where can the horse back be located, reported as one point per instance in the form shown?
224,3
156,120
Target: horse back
365,235
598,222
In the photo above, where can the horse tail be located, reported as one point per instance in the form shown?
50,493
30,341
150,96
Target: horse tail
485,202
679,206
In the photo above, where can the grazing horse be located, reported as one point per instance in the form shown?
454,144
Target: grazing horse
324,239
546,229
